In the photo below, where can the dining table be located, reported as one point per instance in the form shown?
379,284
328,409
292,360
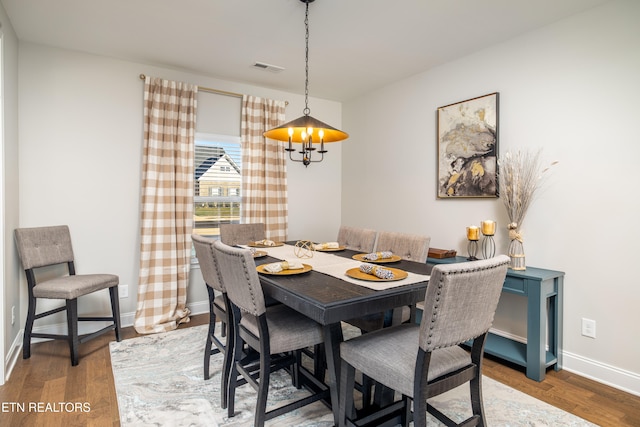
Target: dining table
328,292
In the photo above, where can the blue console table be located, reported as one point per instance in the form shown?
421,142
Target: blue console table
544,293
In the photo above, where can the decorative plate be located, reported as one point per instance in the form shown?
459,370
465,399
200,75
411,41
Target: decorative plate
259,254
357,274
339,248
360,257
305,268
258,245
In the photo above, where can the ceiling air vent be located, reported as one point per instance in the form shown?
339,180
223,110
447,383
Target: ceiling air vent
268,67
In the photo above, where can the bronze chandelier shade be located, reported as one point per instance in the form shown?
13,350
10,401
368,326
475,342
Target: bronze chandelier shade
302,124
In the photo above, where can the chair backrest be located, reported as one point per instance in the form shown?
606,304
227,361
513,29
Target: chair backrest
411,247
357,239
240,278
42,246
461,301
242,234
208,262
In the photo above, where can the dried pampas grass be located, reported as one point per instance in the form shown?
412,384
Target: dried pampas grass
520,175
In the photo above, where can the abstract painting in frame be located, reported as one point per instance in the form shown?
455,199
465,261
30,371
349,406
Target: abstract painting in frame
468,148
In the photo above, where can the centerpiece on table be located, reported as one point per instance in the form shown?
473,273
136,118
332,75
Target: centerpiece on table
520,175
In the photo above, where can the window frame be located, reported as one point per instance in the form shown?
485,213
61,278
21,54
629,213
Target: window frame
224,197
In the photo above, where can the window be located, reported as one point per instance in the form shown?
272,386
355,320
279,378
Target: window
218,176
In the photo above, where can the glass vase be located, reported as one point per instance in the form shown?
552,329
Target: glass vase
516,253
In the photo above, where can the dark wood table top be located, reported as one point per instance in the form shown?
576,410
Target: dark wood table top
327,299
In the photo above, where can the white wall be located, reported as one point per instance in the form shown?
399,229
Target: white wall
571,88
9,295
80,161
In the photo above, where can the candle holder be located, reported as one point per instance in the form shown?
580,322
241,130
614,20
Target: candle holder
472,250
488,247
473,235
488,228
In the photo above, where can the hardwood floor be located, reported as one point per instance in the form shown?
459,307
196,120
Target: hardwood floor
46,391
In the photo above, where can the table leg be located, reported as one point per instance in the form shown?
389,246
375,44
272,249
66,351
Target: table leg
332,339
557,318
536,328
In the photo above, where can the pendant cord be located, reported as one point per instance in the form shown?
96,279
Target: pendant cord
306,111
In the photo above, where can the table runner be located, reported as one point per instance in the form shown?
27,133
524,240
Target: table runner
336,266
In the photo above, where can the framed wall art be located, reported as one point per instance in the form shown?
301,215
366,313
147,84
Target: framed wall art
468,148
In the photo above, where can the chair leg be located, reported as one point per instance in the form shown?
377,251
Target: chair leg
347,385
212,330
115,310
477,406
209,344
419,411
367,385
295,369
72,329
238,344
382,395
263,388
228,364
405,418
28,328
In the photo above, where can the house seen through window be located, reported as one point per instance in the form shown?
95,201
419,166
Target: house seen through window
218,173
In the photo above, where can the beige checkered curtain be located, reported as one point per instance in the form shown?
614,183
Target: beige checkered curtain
167,205
264,167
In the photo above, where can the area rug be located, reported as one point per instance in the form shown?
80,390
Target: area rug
159,381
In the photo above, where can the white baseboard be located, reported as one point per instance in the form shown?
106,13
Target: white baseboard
12,355
601,372
606,374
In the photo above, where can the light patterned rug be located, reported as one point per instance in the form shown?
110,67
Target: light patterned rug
159,381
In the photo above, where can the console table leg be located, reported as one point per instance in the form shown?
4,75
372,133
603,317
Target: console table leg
536,336
557,315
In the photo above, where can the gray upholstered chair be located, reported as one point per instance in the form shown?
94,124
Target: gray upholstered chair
277,332
412,247
422,361
48,246
242,234
217,307
357,239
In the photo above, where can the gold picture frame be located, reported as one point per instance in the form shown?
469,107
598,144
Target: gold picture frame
468,148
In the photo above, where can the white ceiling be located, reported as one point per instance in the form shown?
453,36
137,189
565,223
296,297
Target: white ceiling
355,45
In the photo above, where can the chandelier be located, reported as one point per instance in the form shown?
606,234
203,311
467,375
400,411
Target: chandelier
306,130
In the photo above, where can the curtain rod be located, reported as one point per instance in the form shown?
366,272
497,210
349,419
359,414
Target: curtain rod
216,91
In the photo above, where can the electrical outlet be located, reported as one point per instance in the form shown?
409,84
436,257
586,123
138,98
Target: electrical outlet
123,291
13,314
588,328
